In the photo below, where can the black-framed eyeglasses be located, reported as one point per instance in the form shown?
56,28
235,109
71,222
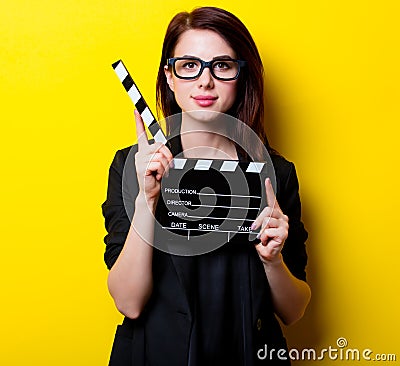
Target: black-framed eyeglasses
190,68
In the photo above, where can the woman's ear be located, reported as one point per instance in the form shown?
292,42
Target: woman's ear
168,75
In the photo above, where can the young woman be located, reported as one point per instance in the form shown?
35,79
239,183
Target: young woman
217,308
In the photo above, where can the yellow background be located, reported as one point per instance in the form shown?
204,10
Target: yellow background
332,96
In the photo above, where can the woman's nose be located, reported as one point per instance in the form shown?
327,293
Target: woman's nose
206,80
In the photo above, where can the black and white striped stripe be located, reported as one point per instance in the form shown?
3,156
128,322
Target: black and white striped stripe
226,166
139,102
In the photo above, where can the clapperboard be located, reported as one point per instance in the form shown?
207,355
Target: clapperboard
203,201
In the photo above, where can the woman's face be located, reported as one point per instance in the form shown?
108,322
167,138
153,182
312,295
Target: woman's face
205,92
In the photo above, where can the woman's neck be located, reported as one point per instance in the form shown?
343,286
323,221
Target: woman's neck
206,140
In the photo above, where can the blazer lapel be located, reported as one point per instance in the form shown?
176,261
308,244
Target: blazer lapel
185,268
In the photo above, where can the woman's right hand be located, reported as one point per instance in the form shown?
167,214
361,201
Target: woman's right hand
151,162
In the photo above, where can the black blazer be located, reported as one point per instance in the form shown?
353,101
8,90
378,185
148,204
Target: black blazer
160,336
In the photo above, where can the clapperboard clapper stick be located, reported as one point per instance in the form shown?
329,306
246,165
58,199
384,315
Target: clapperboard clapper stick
139,102
203,196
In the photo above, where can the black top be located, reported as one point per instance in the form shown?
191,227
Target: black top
222,305
220,284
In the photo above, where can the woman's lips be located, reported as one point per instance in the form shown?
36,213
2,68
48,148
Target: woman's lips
204,100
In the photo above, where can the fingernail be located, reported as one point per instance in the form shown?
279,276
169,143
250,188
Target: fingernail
253,226
259,235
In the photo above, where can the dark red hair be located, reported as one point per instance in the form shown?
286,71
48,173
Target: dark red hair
249,104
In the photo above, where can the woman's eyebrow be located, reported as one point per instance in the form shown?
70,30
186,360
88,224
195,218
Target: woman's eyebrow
224,57
189,56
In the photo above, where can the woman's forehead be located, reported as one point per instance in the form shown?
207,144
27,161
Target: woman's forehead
202,43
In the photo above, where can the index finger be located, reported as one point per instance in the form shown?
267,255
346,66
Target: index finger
140,130
271,198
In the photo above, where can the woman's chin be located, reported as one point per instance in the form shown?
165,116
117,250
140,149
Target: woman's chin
203,115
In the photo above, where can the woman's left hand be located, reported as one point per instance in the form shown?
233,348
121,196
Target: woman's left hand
274,228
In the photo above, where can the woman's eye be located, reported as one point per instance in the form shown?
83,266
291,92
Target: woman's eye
189,65
222,65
